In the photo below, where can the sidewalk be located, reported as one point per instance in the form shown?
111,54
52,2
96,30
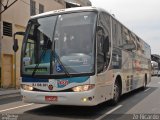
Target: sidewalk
9,92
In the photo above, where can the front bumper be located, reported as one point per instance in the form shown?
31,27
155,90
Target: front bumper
86,98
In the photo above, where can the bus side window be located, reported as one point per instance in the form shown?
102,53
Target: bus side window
103,42
128,42
100,54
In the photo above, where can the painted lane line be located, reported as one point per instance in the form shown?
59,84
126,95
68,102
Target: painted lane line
109,112
147,89
16,107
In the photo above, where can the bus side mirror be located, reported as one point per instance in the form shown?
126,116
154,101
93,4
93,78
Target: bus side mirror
15,45
15,41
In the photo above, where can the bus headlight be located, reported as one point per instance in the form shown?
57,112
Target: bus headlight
27,87
83,88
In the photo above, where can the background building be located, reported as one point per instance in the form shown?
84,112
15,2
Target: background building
75,3
15,19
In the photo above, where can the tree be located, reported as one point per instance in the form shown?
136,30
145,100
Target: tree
5,4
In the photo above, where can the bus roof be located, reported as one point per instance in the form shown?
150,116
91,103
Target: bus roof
77,9
68,10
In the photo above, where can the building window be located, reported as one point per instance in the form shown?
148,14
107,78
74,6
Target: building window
32,7
41,8
7,29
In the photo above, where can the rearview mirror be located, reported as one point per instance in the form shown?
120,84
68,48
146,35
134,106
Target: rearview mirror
15,45
15,41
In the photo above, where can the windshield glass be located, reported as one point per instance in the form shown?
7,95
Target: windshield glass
60,44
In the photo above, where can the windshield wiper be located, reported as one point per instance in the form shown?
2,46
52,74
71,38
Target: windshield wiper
55,56
42,55
37,65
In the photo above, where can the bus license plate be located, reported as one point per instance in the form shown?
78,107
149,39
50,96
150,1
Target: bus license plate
51,98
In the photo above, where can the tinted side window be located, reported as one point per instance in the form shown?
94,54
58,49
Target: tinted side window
128,43
103,42
116,34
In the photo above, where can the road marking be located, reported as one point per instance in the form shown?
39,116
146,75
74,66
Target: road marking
109,112
147,89
16,107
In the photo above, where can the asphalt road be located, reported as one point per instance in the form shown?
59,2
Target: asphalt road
137,105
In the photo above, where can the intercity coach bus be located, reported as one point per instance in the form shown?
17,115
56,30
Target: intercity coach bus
81,56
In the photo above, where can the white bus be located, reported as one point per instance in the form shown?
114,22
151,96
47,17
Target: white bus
81,56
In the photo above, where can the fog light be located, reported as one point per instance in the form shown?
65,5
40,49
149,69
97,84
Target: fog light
84,99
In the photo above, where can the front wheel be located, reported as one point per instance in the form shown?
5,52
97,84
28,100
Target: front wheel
116,93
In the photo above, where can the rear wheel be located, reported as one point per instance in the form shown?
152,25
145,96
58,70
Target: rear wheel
145,82
116,93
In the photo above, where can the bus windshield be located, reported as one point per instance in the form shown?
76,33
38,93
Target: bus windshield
60,44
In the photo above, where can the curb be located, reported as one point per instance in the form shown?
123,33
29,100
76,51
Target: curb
9,93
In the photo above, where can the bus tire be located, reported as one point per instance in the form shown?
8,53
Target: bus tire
144,82
116,94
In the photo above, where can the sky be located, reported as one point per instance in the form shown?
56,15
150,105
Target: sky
140,16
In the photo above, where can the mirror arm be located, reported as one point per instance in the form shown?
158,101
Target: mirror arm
18,33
